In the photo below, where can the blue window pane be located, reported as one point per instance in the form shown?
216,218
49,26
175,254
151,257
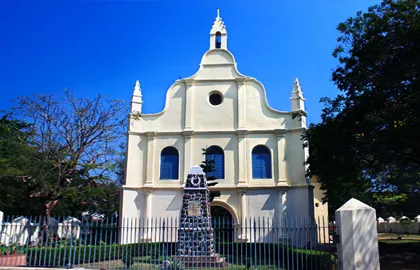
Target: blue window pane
261,162
216,153
169,163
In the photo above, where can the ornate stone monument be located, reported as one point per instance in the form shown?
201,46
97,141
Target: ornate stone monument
195,233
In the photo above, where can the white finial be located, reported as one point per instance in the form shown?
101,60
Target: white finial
137,98
297,97
218,13
296,86
297,91
137,90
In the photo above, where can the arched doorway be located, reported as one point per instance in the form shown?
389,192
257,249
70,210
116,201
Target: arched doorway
223,224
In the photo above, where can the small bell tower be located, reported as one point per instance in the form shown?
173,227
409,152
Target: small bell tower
218,34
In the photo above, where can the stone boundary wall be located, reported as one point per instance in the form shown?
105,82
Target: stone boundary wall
402,225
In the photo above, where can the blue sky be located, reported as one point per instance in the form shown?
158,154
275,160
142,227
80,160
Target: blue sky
102,47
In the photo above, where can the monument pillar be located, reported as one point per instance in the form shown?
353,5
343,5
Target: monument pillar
195,233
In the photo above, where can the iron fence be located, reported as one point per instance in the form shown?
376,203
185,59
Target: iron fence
254,243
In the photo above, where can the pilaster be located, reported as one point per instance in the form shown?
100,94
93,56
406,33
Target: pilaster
281,150
150,174
187,154
188,104
282,205
147,212
241,84
242,159
244,205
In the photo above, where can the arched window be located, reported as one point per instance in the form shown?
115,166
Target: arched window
261,162
216,153
218,40
169,163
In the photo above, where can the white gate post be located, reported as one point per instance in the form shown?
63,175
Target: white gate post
358,237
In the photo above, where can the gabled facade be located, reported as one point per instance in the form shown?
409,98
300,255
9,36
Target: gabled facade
258,153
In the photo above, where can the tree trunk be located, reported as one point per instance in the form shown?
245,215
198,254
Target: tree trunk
46,209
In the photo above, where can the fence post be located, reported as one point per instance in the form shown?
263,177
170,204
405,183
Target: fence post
358,238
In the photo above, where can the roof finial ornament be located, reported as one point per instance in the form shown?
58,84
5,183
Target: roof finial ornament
137,90
296,86
136,99
218,13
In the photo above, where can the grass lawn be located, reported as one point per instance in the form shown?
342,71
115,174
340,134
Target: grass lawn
399,254
393,236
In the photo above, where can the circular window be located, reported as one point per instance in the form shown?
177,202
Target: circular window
215,98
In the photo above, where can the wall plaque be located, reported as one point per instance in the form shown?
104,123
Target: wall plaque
194,208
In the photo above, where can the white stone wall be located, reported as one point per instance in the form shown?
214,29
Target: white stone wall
391,225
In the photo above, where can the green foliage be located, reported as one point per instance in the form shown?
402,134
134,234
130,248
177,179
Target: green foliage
20,163
133,253
387,202
269,252
103,199
208,166
174,264
63,149
368,139
61,256
9,250
17,160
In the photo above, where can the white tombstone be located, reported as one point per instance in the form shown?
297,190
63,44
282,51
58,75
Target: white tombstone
35,229
53,225
19,230
1,228
382,225
1,220
358,238
70,228
417,219
391,219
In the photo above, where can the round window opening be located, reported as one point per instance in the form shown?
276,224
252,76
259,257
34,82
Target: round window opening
215,99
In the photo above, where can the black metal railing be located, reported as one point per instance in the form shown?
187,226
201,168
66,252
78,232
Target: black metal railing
253,243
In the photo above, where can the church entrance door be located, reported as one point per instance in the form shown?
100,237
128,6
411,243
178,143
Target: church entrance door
222,221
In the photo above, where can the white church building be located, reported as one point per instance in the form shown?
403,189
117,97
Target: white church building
258,153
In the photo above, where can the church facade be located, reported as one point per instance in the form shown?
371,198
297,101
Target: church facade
257,151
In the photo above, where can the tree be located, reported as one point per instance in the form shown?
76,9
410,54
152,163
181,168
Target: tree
76,142
367,142
208,166
16,158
